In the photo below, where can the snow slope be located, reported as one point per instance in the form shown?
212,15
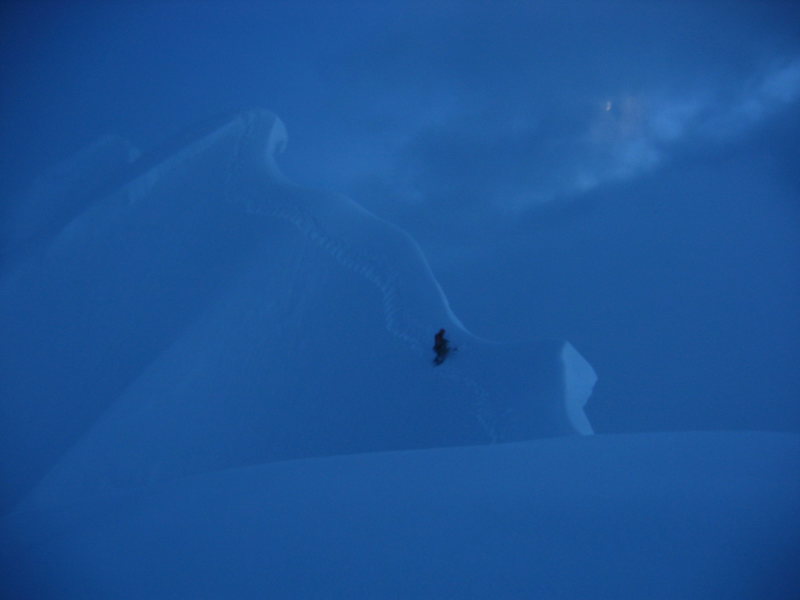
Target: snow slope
683,515
192,311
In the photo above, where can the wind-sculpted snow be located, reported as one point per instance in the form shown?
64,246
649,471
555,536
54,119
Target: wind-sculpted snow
203,312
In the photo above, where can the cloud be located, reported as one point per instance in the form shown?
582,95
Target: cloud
782,85
763,96
508,159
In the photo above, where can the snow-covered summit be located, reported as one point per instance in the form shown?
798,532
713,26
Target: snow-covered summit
198,311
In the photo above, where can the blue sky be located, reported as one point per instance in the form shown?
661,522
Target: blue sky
620,174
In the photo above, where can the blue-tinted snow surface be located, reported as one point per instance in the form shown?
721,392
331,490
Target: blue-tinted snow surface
192,310
684,515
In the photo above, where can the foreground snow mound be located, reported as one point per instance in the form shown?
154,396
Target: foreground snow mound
200,312
691,515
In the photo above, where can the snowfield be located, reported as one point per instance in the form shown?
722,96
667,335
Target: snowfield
683,515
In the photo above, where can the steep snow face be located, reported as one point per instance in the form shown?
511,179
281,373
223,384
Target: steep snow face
202,312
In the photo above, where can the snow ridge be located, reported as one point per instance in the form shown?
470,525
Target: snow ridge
296,211
402,323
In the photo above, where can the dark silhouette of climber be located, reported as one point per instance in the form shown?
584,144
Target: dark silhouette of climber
441,346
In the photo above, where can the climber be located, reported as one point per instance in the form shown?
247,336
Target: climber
441,346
